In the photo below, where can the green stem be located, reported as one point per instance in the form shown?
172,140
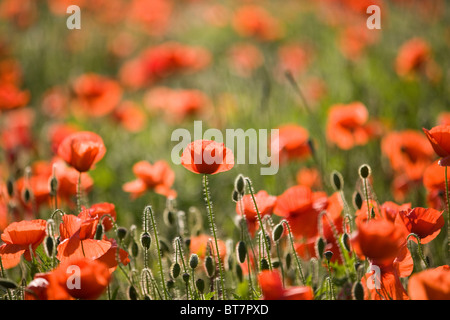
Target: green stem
448,209
291,240
79,193
266,241
159,252
419,248
281,263
213,228
366,194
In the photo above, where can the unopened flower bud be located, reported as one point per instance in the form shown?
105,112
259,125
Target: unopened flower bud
49,246
328,255
132,293
239,184
239,272
10,187
337,181
357,200
358,291
121,233
200,284
193,261
209,266
277,232
320,247
99,232
146,240
175,270
364,171
186,277
264,264
241,251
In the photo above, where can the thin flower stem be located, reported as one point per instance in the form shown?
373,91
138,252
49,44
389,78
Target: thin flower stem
155,230
366,194
213,228
266,241
178,249
291,240
281,263
419,248
79,193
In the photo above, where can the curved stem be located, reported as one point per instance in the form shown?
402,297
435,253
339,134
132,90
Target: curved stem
291,240
419,247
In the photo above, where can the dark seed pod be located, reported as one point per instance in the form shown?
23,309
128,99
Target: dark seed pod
10,187
8,284
264,264
170,284
147,297
200,284
235,196
53,186
239,272
275,264
372,213
175,270
364,171
193,261
268,242
146,240
337,181
132,293
241,251
169,217
277,232
26,195
186,277
209,266
121,233
320,247
357,200
358,291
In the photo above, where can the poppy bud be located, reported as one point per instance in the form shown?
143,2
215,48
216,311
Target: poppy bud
146,240
320,247
239,184
49,246
372,213
200,284
364,171
346,241
358,291
235,196
169,217
10,187
288,260
328,255
241,251
275,264
193,261
99,232
163,247
8,284
264,264
357,200
337,181
147,297
26,195
268,242
277,232
175,270
170,284
186,277
134,249
121,233
239,272
53,186
209,266
132,293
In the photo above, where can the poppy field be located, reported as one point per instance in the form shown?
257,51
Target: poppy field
224,150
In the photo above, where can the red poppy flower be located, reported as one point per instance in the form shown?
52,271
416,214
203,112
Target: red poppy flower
430,284
151,16
408,153
444,119
383,286
294,58
265,203
199,246
426,223
434,183
255,21
244,58
82,150
412,57
19,238
207,157
158,177
439,138
309,177
272,288
55,102
58,132
76,278
98,210
96,95
290,143
130,116
301,208
347,125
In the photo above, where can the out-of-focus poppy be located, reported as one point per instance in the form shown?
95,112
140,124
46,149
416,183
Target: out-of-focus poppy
158,177
12,97
291,142
434,183
130,116
55,102
256,21
19,238
177,104
96,95
207,157
272,288
265,203
82,150
199,245
443,119
294,58
309,177
151,16
244,59
354,39
430,284
426,223
439,138
408,153
348,125
58,132
23,14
